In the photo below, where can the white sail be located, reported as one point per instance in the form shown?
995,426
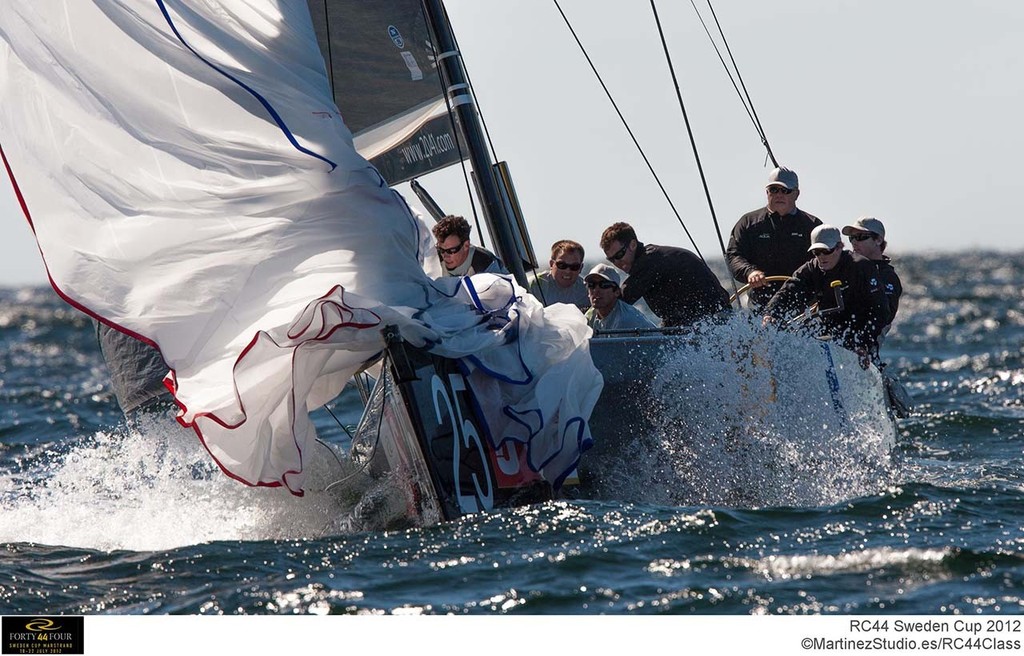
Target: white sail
190,180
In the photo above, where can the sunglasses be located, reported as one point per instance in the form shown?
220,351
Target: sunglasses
604,284
823,251
619,254
450,251
562,266
779,190
863,237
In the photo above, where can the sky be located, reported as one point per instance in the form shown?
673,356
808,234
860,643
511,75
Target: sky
907,111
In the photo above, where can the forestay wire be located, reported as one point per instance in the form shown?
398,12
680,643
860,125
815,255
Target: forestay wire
745,99
628,129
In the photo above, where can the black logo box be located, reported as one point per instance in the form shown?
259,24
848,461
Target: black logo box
43,634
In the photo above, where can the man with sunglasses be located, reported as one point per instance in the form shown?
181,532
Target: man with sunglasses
561,283
458,256
677,285
852,312
867,238
608,312
771,241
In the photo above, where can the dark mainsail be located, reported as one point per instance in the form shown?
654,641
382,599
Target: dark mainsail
381,63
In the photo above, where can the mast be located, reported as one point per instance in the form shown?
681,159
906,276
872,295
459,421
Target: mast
463,105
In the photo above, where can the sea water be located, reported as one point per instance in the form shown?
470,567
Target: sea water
98,516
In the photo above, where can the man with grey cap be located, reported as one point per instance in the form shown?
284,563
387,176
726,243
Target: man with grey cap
867,238
607,309
772,240
853,311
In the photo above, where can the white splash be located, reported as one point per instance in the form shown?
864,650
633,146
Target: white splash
152,487
746,417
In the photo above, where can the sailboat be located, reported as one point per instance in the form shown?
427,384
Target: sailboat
427,444
238,216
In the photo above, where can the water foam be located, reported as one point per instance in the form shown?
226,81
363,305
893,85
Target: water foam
152,486
744,417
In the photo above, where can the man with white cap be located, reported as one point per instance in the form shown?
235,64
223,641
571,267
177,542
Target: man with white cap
867,238
852,311
607,309
772,240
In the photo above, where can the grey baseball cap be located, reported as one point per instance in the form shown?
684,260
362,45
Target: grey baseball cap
825,236
865,224
784,177
609,273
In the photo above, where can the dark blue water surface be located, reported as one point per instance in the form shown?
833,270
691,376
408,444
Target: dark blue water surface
100,517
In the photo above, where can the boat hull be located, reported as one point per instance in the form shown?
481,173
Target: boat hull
673,409
668,405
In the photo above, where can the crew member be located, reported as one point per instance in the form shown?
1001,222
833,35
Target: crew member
561,283
853,312
608,311
677,285
867,238
771,241
459,257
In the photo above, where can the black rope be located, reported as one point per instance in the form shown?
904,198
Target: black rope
330,56
628,129
338,421
745,100
380,424
689,130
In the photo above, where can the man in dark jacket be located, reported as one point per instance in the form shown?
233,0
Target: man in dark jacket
867,238
845,286
677,285
771,241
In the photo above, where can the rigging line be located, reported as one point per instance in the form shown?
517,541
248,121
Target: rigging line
380,424
455,129
728,72
689,130
628,129
330,57
757,121
338,421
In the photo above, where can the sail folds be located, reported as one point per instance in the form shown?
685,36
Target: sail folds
190,181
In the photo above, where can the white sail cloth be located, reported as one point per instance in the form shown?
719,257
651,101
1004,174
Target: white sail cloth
189,180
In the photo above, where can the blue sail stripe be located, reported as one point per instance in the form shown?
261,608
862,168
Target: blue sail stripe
255,94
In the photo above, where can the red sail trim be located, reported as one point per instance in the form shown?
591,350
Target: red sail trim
172,386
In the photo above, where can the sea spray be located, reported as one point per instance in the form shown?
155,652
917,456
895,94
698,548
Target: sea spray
151,485
744,417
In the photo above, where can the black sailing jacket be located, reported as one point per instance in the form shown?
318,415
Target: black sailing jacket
865,309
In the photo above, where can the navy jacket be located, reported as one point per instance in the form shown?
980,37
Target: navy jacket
891,285
772,243
676,284
865,310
